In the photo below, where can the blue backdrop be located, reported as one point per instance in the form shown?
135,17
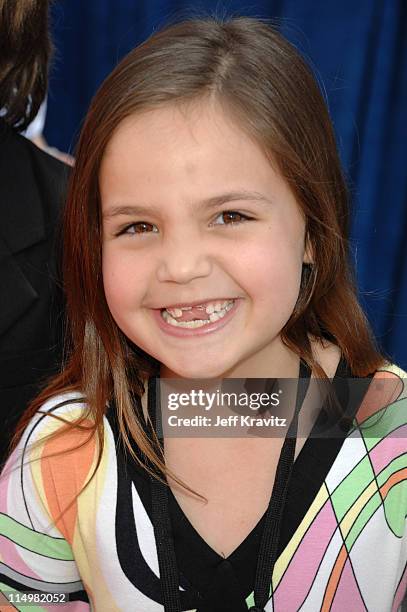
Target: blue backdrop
359,52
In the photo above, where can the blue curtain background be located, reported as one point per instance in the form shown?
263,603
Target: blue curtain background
359,52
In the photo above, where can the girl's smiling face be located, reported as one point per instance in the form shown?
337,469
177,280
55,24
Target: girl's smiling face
193,212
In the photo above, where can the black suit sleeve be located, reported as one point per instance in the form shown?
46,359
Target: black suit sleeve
32,191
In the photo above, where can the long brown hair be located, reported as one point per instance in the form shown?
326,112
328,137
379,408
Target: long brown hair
262,81
25,50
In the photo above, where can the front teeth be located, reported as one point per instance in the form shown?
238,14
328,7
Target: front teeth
215,311
176,313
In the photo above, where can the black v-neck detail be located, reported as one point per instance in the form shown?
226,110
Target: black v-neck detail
201,567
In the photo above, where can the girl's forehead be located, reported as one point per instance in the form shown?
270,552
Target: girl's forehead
176,142
187,118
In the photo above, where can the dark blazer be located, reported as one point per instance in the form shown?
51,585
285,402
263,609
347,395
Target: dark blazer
32,188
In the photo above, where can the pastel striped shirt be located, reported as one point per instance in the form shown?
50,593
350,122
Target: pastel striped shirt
349,551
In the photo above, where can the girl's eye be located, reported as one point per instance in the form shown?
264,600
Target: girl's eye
232,217
141,227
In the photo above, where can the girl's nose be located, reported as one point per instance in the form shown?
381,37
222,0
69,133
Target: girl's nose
183,259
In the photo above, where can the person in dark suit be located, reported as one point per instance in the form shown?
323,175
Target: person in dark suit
32,187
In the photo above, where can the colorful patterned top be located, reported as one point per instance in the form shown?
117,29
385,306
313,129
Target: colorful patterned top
348,551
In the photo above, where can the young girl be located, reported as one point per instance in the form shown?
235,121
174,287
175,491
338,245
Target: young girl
205,237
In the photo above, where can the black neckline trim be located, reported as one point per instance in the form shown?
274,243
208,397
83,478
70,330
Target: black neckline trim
195,555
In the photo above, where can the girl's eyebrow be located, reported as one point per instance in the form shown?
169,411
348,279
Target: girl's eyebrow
208,203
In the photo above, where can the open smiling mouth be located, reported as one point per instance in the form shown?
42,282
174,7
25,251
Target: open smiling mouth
189,318
193,317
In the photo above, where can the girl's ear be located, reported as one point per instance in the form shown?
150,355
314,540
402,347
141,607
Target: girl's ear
309,251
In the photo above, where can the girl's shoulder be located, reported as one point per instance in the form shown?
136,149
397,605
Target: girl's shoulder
57,464
59,442
383,411
66,407
390,383
63,417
